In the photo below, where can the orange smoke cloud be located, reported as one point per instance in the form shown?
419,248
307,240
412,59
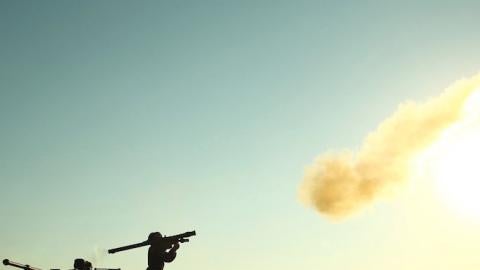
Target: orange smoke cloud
340,184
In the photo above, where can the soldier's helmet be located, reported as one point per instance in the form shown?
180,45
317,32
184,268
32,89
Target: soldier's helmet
154,236
79,264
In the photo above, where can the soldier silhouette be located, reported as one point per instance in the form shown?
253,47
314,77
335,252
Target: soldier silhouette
81,264
160,252
88,265
78,264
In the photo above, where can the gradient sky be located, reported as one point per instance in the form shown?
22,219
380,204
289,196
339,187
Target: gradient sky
118,119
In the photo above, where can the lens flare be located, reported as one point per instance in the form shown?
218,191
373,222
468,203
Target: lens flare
456,162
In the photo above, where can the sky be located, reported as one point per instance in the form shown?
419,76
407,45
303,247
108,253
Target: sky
123,118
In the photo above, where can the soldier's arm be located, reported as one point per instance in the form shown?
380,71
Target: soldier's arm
171,254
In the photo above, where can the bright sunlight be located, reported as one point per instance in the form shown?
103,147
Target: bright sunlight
455,161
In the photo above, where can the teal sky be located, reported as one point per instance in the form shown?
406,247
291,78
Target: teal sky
121,118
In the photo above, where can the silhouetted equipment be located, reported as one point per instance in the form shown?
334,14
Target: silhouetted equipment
19,265
166,241
78,264
81,264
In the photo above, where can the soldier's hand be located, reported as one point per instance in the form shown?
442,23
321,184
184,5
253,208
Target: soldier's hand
176,246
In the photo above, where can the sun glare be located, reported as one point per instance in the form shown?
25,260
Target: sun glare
456,162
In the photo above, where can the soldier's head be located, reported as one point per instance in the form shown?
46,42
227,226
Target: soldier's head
154,236
79,264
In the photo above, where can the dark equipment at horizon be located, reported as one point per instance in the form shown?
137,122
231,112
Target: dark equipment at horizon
81,264
167,240
28,267
19,265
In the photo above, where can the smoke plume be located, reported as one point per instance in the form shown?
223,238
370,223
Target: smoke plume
98,255
339,184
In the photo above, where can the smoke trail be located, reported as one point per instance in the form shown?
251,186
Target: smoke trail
98,255
340,184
